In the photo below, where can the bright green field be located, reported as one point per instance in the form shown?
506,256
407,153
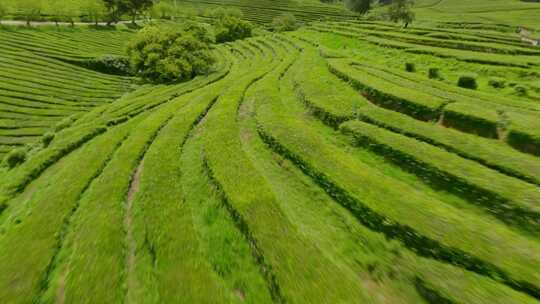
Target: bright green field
306,167
508,12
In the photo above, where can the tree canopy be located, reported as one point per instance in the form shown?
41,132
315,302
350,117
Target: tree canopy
401,10
166,54
286,22
359,6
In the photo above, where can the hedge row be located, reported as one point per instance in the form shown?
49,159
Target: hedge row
414,103
510,200
378,202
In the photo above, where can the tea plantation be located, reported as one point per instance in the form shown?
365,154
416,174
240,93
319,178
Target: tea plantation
348,161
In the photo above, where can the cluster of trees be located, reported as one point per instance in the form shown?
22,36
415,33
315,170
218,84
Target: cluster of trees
285,22
171,53
167,54
89,10
3,11
398,10
229,26
117,8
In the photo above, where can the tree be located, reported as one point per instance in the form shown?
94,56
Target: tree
231,29
198,31
115,9
162,10
31,9
167,54
95,10
136,7
229,26
3,11
61,11
359,6
401,10
286,22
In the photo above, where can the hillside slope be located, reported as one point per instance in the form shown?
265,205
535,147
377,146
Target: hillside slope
307,167
506,12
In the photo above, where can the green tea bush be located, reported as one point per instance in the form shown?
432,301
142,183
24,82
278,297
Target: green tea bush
15,157
47,139
165,54
109,64
410,67
63,124
521,90
286,22
434,73
468,81
497,82
221,13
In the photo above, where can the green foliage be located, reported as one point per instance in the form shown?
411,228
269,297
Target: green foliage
3,10
162,10
47,138
521,90
401,10
230,28
62,11
94,10
136,7
115,9
497,82
434,73
30,9
15,157
468,81
359,6
222,13
63,124
285,22
410,67
165,54
199,31
109,64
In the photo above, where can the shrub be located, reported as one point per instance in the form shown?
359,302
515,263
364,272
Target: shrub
521,90
199,31
401,10
434,73
283,23
162,10
232,28
468,81
221,13
109,64
47,139
410,67
15,157
166,54
63,124
497,82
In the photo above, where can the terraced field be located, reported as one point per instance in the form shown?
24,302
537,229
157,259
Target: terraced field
308,167
43,80
475,14
264,11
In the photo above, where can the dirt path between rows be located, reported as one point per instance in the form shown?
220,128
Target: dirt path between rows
128,224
